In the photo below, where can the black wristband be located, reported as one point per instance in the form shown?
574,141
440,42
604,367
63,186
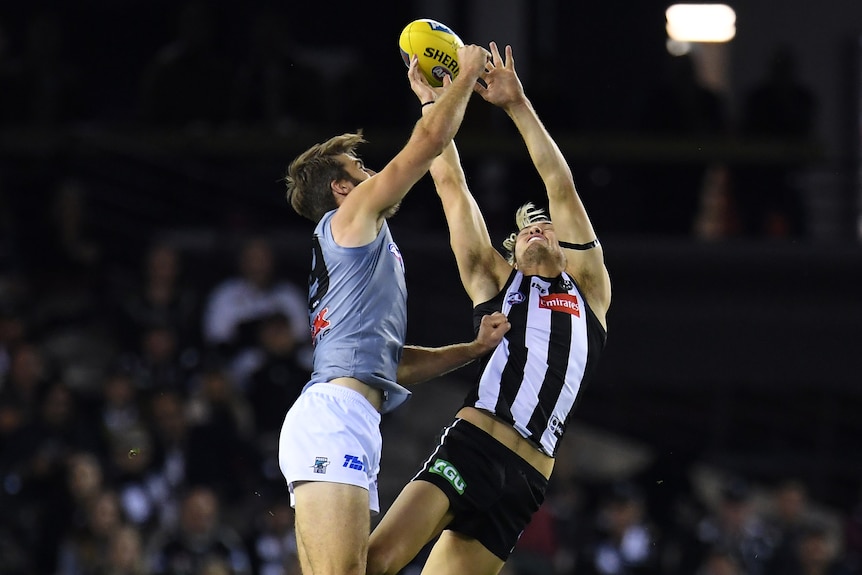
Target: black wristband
426,104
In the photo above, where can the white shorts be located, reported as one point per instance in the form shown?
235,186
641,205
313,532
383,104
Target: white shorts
332,433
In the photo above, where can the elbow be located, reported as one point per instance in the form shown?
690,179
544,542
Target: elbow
433,140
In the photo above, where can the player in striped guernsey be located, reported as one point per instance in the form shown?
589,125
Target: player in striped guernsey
490,470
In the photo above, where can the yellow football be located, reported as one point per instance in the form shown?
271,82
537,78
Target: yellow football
435,44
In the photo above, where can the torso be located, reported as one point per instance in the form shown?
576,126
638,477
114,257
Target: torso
372,394
358,315
532,379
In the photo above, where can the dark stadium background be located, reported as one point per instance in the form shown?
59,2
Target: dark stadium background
737,350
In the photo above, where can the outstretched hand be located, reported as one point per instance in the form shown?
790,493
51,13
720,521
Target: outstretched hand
502,86
419,84
491,331
472,60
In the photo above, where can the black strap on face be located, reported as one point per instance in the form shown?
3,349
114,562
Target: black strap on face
586,246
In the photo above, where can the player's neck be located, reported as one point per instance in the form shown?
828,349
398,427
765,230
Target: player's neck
547,270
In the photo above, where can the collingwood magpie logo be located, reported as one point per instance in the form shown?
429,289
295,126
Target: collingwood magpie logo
566,284
556,426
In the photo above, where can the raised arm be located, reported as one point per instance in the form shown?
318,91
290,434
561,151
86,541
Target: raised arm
571,222
420,364
361,213
483,270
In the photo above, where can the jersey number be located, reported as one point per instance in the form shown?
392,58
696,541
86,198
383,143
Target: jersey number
318,279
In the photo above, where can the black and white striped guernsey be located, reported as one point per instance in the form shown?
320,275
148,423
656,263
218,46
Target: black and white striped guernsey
532,379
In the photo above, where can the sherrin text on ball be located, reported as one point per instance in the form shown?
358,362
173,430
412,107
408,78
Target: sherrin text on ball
436,46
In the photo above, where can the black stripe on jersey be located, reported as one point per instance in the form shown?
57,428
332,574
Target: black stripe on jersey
559,347
318,279
513,373
596,341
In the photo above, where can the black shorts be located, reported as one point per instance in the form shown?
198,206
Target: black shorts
492,491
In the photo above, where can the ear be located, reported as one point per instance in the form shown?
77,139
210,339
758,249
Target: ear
340,187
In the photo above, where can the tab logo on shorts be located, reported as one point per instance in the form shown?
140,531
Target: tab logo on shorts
447,470
353,462
320,464
564,302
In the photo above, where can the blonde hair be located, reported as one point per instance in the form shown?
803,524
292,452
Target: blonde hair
526,215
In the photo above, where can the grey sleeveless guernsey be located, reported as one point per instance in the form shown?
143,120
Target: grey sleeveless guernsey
357,305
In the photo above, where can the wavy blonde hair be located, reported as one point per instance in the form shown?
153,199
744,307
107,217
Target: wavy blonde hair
526,215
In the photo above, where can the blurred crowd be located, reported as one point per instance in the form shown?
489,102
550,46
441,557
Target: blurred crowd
139,421
141,394
139,418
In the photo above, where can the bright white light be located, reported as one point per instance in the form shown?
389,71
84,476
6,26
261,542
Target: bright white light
701,22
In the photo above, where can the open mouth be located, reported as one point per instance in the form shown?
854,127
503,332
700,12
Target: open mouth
535,238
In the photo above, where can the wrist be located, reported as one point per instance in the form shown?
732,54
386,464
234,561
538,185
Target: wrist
478,349
517,105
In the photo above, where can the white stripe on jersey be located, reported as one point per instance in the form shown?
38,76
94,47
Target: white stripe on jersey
537,341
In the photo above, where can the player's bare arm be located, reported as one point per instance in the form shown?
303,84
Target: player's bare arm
482,269
365,204
420,364
571,222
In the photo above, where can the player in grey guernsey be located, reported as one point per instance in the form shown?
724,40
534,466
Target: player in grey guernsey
488,473
330,443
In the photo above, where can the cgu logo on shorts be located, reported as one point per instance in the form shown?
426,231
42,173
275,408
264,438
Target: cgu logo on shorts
563,302
447,470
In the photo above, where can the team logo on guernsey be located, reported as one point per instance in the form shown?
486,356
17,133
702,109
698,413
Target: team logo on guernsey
515,298
564,302
446,470
393,249
539,287
556,426
320,323
320,464
566,284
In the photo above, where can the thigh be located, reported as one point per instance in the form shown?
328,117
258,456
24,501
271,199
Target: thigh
418,515
456,554
332,525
